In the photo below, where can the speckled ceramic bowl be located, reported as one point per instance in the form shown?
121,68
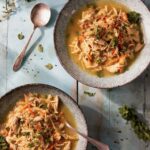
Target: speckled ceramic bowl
133,72
9,100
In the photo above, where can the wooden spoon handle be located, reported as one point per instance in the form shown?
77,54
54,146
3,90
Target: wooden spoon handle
19,59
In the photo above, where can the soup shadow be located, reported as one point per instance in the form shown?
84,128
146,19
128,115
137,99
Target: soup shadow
100,130
54,14
32,48
133,93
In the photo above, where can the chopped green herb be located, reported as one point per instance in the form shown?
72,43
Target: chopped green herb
47,140
89,93
43,106
127,113
3,143
49,66
26,133
100,74
140,128
36,141
114,42
99,32
132,34
20,36
116,142
134,17
40,48
30,145
123,27
119,131
98,61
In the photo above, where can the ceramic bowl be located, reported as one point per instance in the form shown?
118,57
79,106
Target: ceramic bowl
133,72
9,100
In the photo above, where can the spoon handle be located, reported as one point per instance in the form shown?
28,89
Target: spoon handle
19,59
99,145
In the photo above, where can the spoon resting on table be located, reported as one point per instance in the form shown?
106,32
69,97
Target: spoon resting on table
99,145
40,16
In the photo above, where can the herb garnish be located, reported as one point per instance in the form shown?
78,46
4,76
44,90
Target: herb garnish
3,143
20,36
134,17
140,128
43,106
98,61
49,66
26,133
40,48
89,93
99,32
31,145
114,42
100,74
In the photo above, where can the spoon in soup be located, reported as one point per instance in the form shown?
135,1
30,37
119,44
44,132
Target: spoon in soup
40,16
99,145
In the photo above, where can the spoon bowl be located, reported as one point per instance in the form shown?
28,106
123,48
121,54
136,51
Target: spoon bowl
40,15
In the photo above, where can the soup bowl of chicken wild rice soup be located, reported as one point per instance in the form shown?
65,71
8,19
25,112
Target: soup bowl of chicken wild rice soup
103,43
34,116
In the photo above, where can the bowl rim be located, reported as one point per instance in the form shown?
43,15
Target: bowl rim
56,89
74,76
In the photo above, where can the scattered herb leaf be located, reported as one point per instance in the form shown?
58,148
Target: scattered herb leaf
30,145
134,17
116,142
3,143
98,32
49,66
20,36
89,93
140,128
119,131
40,48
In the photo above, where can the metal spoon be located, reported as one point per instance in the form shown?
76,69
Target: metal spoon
99,145
40,16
